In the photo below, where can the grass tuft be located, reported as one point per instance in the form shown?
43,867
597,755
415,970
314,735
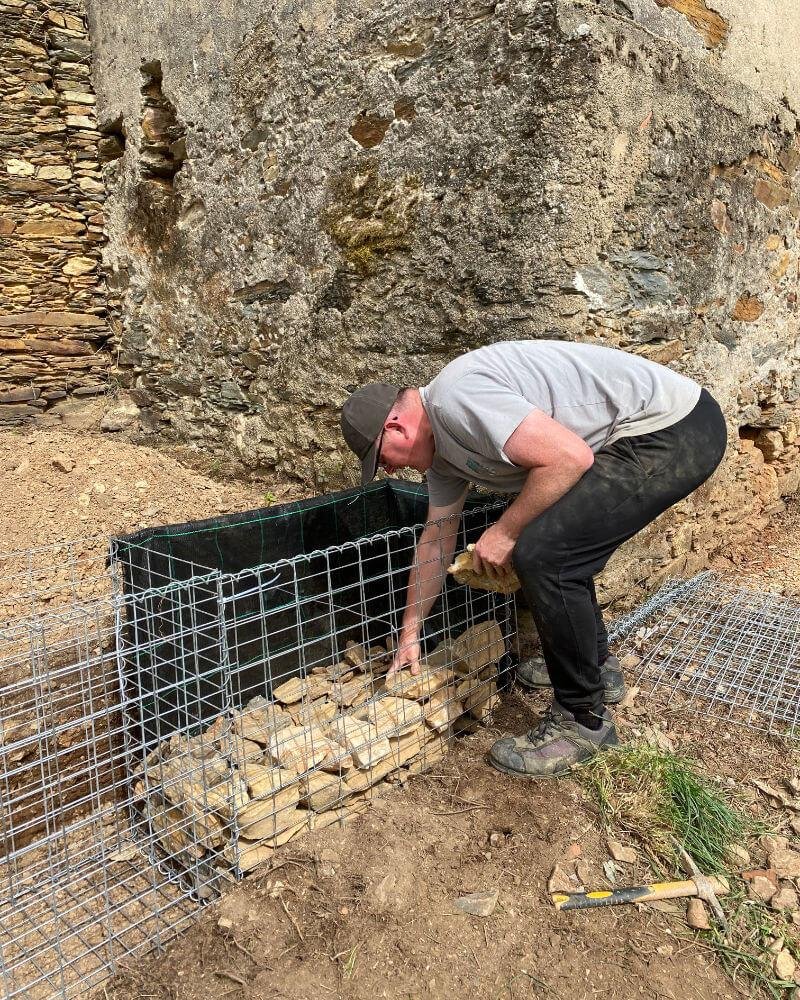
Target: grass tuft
655,796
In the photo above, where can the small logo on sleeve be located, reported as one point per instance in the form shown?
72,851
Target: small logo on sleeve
474,466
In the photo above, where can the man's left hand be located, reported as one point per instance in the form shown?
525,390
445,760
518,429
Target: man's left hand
492,552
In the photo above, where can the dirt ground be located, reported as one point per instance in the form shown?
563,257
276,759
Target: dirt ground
366,911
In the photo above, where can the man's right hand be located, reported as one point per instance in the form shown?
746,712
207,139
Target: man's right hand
407,655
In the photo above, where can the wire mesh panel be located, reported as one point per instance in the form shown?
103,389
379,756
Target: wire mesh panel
76,895
725,650
259,701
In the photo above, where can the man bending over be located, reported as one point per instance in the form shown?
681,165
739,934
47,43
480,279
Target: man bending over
595,443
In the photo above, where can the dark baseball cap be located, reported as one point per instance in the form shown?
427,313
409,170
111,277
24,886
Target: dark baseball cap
363,417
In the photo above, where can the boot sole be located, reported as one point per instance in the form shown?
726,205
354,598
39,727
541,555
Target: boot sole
552,774
610,697
529,777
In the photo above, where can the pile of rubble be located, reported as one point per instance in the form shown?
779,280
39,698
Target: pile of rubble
255,778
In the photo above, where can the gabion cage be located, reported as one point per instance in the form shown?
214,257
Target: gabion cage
173,717
257,702
76,895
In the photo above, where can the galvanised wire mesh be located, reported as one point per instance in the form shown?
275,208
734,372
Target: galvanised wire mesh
168,724
724,650
257,702
76,895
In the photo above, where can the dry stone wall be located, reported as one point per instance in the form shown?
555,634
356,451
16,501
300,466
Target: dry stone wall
349,193
53,306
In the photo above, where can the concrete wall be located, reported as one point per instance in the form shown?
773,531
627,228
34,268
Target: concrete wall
319,194
53,306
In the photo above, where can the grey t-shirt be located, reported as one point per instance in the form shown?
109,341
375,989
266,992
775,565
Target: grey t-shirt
601,394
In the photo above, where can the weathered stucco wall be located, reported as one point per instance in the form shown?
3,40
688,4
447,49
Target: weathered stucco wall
53,307
320,194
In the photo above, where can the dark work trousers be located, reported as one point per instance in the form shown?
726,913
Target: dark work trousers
631,482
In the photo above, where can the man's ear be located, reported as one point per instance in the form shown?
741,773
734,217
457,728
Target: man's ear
395,423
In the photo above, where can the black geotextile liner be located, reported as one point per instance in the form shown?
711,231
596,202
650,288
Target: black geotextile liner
208,626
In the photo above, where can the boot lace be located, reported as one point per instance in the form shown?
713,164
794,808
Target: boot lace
548,726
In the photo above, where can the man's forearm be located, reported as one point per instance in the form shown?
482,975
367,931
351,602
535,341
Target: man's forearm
434,553
542,488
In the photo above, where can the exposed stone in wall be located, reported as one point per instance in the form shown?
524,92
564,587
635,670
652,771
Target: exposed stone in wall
53,309
368,192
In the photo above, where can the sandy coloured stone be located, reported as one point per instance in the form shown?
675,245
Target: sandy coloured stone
696,915
430,753
361,739
619,852
441,656
263,780
169,826
342,814
77,266
189,769
355,655
315,713
782,858
301,749
351,692
483,703
761,888
785,898
240,748
275,803
462,571
442,708
407,746
54,173
784,965
405,684
290,691
260,725
392,716
278,827
339,672
251,854
478,904
320,791
19,168
360,780
478,647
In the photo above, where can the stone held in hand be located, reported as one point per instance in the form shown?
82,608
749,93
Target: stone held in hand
461,569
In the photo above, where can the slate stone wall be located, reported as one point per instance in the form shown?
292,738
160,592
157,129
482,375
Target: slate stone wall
53,304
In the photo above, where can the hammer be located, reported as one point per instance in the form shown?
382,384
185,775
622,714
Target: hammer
706,888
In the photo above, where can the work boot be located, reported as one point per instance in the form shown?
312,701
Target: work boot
554,746
532,674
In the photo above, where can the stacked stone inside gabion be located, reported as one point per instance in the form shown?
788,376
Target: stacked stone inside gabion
312,754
